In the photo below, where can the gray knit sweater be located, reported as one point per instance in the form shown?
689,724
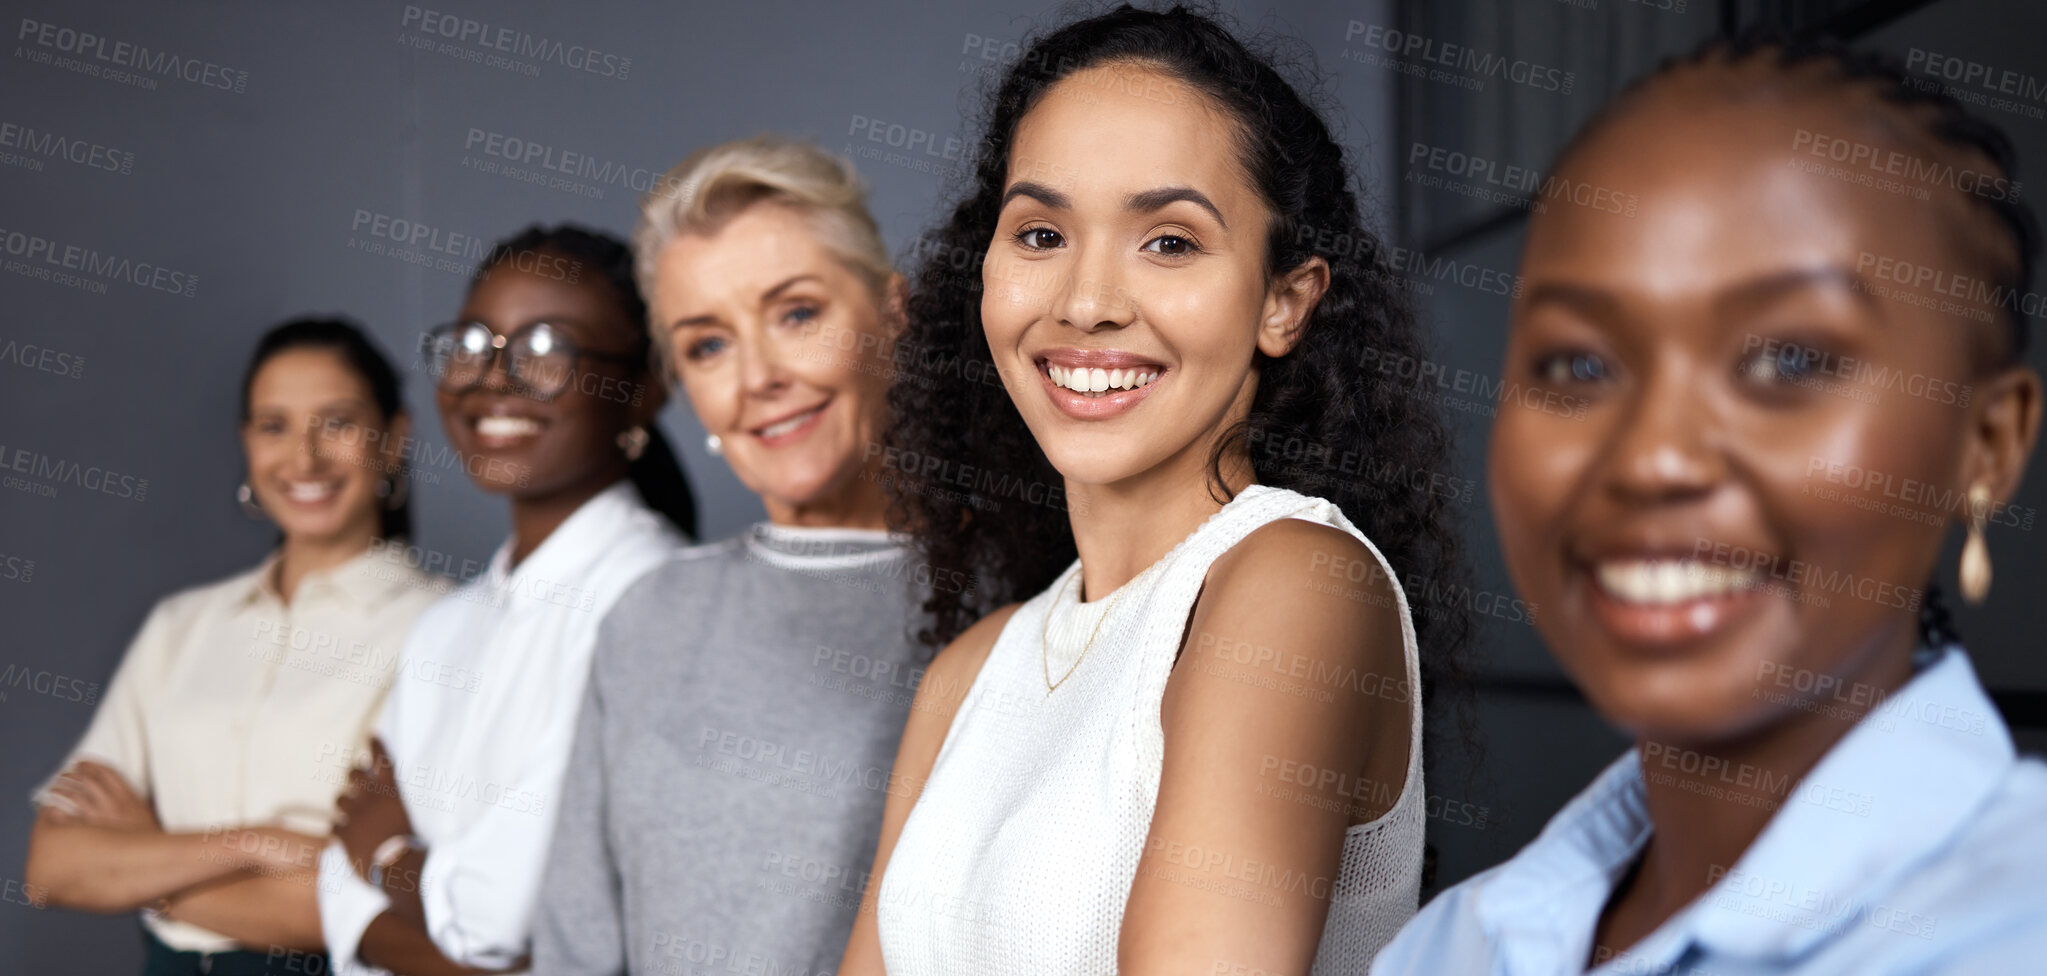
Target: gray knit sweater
725,791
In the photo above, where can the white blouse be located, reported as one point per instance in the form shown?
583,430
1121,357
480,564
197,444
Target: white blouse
231,705
1020,853
480,754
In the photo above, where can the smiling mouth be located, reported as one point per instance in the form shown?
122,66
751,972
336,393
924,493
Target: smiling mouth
1670,582
782,430
505,430
311,492
1096,382
507,426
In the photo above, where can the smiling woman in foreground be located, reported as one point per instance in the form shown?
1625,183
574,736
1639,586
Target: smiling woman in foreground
1108,776
1820,784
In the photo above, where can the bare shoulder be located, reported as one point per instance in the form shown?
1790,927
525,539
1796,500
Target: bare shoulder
954,669
1293,566
1296,642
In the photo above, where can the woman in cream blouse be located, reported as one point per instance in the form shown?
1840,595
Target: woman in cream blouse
204,786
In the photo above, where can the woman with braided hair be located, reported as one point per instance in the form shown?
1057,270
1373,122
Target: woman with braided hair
1796,375
1196,745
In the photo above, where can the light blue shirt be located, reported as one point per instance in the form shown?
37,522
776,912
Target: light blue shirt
1917,845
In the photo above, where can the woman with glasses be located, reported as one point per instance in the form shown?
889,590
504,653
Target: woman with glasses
745,699
548,397
198,793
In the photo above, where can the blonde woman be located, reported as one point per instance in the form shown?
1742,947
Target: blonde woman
726,784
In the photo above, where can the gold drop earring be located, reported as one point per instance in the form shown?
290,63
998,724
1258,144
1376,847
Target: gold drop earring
1975,572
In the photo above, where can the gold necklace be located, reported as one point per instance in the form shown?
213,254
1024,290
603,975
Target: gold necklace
1045,634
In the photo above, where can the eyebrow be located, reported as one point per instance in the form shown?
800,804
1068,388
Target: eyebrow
1145,202
771,294
767,296
330,405
1036,191
1594,302
1151,200
1764,288
1600,303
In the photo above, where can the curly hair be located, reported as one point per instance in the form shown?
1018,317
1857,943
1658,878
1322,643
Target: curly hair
1318,424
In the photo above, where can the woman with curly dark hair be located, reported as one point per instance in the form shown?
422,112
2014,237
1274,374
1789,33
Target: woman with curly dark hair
1136,404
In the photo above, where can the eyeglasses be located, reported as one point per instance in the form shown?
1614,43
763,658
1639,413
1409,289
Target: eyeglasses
540,360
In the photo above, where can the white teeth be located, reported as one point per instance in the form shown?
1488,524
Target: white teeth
782,427
302,491
1086,380
1663,581
503,426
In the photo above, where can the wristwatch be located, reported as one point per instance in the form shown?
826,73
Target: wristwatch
388,853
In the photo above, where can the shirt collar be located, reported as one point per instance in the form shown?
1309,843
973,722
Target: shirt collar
822,547
1886,799
363,582
577,543
1888,796
1546,900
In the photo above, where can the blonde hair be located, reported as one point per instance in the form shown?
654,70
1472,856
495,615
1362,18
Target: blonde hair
716,183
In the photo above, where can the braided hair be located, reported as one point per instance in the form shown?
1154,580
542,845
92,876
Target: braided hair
1824,61
656,473
1319,422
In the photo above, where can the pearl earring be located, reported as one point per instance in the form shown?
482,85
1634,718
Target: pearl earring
714,444
633,442
246,498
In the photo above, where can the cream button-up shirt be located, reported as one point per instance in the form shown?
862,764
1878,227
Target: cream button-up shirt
221,711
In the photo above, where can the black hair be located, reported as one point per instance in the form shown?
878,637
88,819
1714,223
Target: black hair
346,339
656,473
1923,101
1318,417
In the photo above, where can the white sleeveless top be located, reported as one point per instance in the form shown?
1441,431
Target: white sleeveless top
1019,855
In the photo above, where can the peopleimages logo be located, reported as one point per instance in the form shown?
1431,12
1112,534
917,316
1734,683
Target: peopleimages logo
28,355
1977,83
1419,54
1891,162
33,142
105,51
459,33
579,172
1978,295
37,465
41,253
